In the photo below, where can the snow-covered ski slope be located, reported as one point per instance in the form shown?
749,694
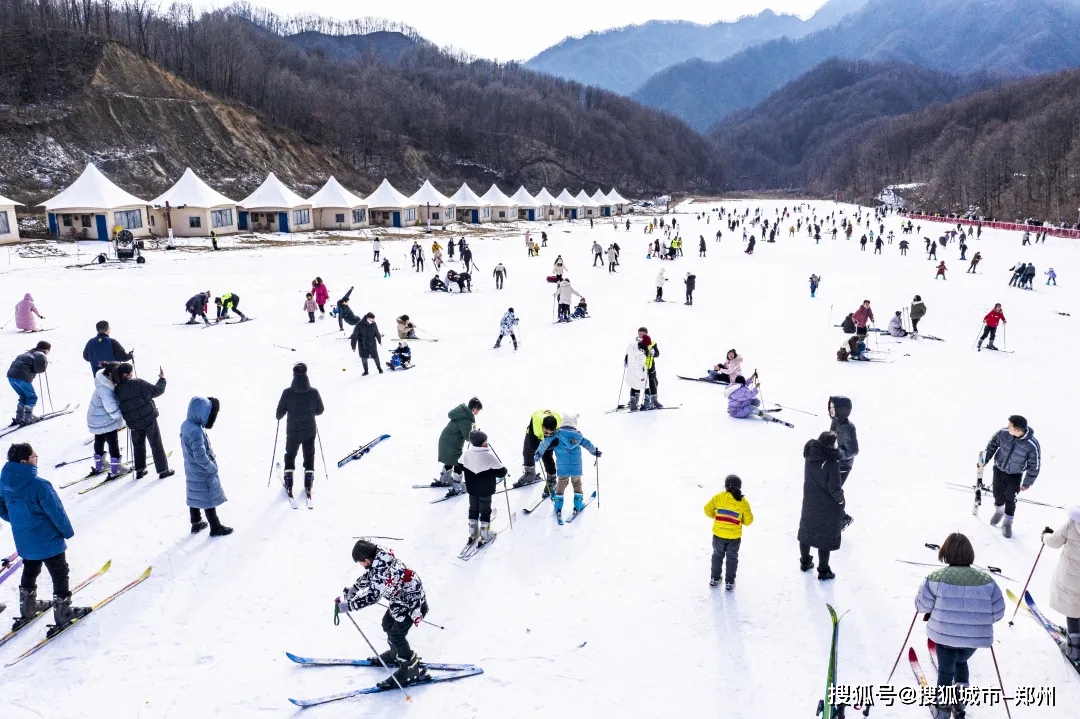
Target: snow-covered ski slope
608,616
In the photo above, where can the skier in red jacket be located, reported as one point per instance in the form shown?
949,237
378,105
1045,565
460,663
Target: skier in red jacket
990,325
861,316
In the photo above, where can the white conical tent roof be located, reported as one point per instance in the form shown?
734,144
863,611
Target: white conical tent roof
190,190
545,198
273,193
496,198
428,195
332,194
600,198
522,198
386,196
585,200
616,199
6,201
465,197
566,199
92,191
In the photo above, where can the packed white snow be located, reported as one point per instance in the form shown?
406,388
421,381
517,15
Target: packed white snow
608,616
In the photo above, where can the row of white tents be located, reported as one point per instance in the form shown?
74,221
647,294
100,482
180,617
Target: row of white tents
93,207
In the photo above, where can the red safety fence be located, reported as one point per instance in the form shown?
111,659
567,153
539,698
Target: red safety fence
1019,227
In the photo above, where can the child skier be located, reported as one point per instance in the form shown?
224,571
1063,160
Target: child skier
385,265
506,327
310,307
940,270
730,512
21,376
201,468
400,357
567,442
814,282
990,324
482,470
1051,276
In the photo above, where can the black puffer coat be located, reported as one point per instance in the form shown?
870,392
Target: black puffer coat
823,497
302,403
365,338
847,439
136,400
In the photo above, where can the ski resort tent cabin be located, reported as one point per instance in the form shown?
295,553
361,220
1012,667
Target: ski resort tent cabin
389,208
500,206
572,208
335,208
619,204
273,207
527,206
93,208
9,227
435,207
588,206
603,205
470,207
194,209
550,208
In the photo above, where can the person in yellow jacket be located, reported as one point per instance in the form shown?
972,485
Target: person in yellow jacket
542,425
730,512
228,301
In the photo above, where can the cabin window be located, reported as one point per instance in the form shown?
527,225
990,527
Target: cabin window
340,218
358,215
301,217
410,214
194,222
221,218
128,219
67,220
5,225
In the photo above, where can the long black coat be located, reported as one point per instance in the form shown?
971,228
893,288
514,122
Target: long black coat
847,439
823,497
365,337
302,403
136,400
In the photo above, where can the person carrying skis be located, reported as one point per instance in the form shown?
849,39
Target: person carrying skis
196,307
742,398
302,403
691,283
941,270
598,253
962,604
1065,586
25,313
1017,460
451,442
482,470
104,420
729,370
564,293
542,424
730,512
847,440
567,443
102,348
136,399
917,311
437,285
21,376
365,340
861,317
499,274
506,327
990,324
228,301
344,312
388,578
821,519
660,280
896,326
406,330
322,294
814,282
385,266
201,467
39,526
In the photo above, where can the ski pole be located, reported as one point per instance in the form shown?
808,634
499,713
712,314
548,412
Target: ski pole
376,536
1001,684
1021,598
274,454
372,648
1004,338
322,454
9,319
618,402
979,335
902,648
293,349
507,493
597,465
48,390
437,626
793,409
73,461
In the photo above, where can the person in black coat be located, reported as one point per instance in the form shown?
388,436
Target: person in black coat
136,399
196,307
303,404
365,340
691,283
21,376
345,314
822,504
847,439
482,470
103,348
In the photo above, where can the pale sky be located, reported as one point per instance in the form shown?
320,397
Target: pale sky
518,29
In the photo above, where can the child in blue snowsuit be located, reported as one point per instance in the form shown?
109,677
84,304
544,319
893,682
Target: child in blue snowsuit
582,309
814,281
567,443
400,357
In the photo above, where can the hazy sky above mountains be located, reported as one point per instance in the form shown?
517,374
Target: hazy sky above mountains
502,30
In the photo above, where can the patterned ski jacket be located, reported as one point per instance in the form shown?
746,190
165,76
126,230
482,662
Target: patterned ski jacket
963,603
729,515
506,324
389,579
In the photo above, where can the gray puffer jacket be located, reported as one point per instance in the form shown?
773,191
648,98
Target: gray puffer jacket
963,603
1016,455
847,440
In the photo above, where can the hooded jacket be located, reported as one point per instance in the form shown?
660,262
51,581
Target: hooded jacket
365,337
732,367
302,403
637,376
1065,587
847,439
103,415
103,348
823,497
918,310
455,434
729,515
896,326
964,603
388,578
482,470
1016,455
28,365
200,465
38,521
566,292
566,443
660,279
506,324
26,314
136,398
322,293
741,400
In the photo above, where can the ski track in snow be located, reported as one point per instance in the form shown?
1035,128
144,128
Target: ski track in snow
206,635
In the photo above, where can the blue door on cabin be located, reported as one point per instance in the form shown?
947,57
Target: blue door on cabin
53,229
573,214
242,220
397,219
102,228
532,215
283,222
476,216
607,212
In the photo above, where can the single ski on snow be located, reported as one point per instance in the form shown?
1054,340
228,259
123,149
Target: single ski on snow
590,500
979,486
361,451
827,709
1057,633
317,662
920,676
9,565
533,507
706,380
10,635
433,679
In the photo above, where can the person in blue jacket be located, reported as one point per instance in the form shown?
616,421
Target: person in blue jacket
567,443
103,348
200,466
39,525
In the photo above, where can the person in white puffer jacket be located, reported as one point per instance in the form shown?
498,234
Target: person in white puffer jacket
1065,587
104,420
660,280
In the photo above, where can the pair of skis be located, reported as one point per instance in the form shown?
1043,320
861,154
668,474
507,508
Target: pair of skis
361,451
9,565
626,408
453,673
1058,633
67,409
828,708
293,501
475,544
577,512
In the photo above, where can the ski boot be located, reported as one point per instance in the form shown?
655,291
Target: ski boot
1072,648
28,416
579,502
309,484
64,614
1006,527
647,403
99,465
656,403
991,346
549,486
389,658
409,671
557,500
713,582
633,406
116,469
486,535
29,607
528,477
446,479
999,512
457,485
474,530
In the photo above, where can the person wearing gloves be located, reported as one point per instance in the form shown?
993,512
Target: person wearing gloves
365,340
104,420
506,327
729,370
136,399
302,403
196,307
1017,459
482,471
388,578
27,315
823,503
567,443
1065,586
565,294
39,526
451,442
917,312
896,326
21,376
542,424
961,604
742,398
200,466
636,374
660,280
103,348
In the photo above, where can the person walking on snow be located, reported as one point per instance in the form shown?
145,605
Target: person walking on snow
506,327
302,403
701,244
940,270
104,420
406,606
499,273
27,315
201,468
990,324
861,317
376,247
916,312
102,348
542,424
451,442
691,283
1065,586
730,512
365,340
21,376
322,295
567,443
482,470
612,259
814,282
1017,460
386,267
821,520
598,254
660,280
565,294
558,269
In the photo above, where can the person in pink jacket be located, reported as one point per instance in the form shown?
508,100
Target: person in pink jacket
25,313
322,294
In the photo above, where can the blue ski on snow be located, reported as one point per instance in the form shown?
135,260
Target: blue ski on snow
1057,633
318,662
589,501
360,452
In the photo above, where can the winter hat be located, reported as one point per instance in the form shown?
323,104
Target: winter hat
917,298
299,369
644,342
477,438
511,310
898,313
570,420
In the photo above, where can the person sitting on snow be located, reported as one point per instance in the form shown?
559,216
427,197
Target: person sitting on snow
896,326
742,398
437,285
582,309
400,357
857,349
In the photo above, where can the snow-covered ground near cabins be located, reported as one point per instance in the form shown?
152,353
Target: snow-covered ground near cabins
611,615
